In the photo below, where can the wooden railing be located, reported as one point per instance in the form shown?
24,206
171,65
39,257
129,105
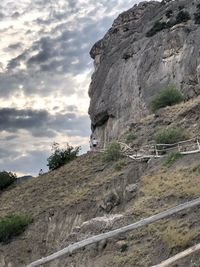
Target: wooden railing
190,146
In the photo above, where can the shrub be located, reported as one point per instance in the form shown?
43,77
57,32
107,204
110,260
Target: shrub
169,13
112,152
171,158
170,136
120,165
157,27
182,16
124,247
167,97
6,179
130,137
13,225
61,156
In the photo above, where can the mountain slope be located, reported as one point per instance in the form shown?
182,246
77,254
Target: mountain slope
87,197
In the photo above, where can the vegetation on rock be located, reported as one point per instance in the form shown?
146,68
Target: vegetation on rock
167,97
13,225
6,179
120,165
182,16
61,156
170,136
130,137
112,152
169,13
157,27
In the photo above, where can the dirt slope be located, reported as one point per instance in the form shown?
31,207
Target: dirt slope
88,196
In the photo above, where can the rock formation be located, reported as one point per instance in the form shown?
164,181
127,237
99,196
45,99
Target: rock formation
131,68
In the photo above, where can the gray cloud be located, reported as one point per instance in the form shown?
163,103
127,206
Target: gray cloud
40,123
14,46
30,163
45,56
65,49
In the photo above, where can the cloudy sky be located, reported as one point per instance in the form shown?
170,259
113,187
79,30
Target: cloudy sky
45,72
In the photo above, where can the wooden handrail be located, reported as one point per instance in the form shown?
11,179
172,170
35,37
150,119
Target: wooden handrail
179,256
153,150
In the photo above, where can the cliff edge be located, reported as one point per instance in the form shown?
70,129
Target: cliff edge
150,46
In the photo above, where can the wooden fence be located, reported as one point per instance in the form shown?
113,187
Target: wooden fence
190,146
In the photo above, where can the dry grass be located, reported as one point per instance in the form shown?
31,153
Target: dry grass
175,233
66,186
164,188
178,183
135,256
181,237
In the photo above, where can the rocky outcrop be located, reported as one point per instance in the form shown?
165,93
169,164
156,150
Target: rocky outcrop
131,68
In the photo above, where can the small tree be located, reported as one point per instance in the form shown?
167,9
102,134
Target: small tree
167,97
182,16
6,179
61,156
112,152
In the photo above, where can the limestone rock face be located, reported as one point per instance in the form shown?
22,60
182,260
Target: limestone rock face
130,68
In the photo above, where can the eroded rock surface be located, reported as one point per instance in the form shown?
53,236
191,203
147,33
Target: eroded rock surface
131,68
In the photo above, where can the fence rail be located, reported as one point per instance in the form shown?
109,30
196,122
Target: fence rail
186,147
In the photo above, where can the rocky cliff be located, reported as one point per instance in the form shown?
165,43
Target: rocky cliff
150,46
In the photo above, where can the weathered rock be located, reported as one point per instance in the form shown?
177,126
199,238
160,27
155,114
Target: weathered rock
131,68
110,201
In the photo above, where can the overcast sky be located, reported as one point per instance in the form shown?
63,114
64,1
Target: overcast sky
45,72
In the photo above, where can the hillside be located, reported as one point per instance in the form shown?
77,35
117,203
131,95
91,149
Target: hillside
87,197
151,46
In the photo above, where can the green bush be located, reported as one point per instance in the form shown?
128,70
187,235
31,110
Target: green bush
61,156
13,225
120,165
112,152
170,136
169,13
182,16
171,158
130,137
6,179
167,97
157,27
124,247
